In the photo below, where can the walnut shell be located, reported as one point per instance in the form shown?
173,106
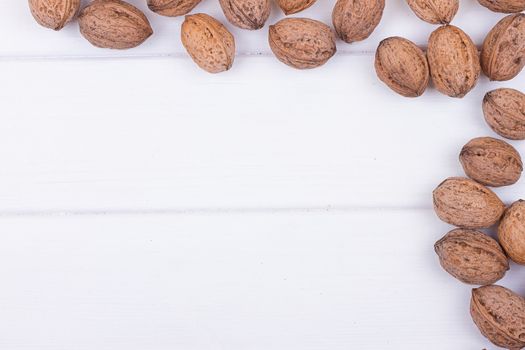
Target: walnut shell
402,66
301,42
172,8
293,6
54,14
114,24
491,162
435,11
504,111
355,20
465,203
454,61
208,43
503,52
472,257
511,232
499,314
504,6
246,14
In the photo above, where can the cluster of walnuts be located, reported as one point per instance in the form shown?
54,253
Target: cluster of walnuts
452,59
299,42
452,62
470,255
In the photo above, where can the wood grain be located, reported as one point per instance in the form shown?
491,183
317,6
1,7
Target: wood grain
312,281
147,205
170,137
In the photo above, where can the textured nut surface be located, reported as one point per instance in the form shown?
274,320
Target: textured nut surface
499,314
402,66
355,20
454,61
503,53
114,24
172,8
435,11
504,111
293,6
504,6
246,14
465,203
472,257
302,43
511,232
208,42
491,162
54,14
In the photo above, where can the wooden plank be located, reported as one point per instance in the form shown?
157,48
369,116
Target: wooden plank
302,281
159,134
21,36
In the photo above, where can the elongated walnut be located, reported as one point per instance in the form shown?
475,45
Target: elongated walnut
208,43
114,24
454,61
503,52
465,203
402,66
472,257
302,43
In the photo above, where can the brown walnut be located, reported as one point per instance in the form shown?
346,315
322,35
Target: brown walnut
454,61
472,257
491,162
503,52
499,314
355,20
208,43
114,24
402,66
302,43
504,111
54,14
465,203
172,8
511,232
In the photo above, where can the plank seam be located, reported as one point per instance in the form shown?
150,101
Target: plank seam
210,211
174,55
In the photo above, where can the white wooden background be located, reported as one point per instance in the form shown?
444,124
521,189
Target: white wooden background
145,204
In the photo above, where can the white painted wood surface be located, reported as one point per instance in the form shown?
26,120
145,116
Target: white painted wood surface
248,281
145,204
